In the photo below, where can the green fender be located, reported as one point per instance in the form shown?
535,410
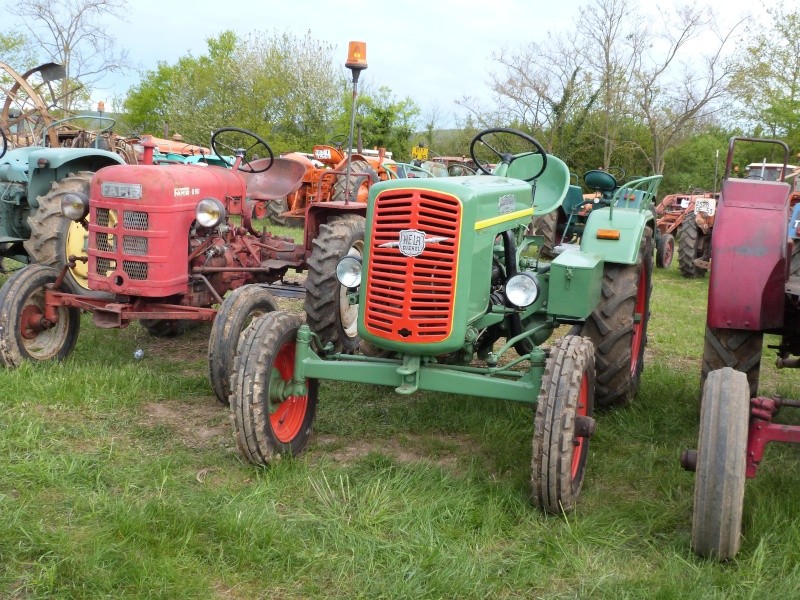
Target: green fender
629,223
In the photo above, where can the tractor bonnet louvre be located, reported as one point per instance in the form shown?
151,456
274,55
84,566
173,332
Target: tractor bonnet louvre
410,298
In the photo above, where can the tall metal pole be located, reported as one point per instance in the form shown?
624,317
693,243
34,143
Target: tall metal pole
356,62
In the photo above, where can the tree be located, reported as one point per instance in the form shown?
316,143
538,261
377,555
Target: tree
767,80
70,32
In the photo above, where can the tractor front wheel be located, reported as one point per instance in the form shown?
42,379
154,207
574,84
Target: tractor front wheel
329,314
268,421
24,332
618,326
238,311
721,465
563,425
54,237
665,250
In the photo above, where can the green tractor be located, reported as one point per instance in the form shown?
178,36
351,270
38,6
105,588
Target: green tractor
447,285
33,182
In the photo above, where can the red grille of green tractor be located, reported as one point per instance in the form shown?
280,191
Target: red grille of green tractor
413,259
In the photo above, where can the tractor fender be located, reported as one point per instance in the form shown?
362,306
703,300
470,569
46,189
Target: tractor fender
60,162
749,256
629,223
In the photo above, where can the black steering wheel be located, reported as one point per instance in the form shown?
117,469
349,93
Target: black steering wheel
507,157
236,144
338,141
3,143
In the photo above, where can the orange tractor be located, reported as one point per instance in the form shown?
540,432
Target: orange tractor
326,180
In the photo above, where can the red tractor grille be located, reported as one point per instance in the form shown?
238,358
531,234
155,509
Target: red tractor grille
132,245
138,221
410,298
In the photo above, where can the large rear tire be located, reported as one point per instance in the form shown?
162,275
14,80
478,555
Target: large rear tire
721,465
691,243
546,226
238,311
22,307
328,312
267,425
559,447
362,175
54,237
618,327
736,348
275,210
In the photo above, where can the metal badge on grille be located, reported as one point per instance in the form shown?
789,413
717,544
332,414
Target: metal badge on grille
128,191
412,242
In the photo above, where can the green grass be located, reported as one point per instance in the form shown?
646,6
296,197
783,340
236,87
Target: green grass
120,479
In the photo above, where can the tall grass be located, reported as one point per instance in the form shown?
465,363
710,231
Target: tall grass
119,479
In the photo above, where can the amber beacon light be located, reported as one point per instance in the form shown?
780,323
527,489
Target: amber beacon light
356,56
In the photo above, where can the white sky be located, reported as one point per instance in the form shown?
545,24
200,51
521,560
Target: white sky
434,52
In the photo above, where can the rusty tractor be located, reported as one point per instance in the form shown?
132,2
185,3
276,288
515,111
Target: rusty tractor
166,243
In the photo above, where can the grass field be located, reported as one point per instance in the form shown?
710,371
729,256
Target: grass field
119,479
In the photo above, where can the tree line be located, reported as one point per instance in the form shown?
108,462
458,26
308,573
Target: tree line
619,89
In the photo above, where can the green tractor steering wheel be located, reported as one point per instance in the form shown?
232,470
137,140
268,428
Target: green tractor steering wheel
506,157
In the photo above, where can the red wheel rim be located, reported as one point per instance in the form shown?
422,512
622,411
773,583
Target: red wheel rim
669,248
581,410
638,321
287,417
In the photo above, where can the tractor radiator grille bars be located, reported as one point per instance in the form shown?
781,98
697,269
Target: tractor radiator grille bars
132,245
411,281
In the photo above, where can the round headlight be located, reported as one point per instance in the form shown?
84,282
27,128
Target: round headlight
348,271
522,289
210,212
74,206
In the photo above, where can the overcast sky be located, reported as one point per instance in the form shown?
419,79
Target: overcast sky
433,51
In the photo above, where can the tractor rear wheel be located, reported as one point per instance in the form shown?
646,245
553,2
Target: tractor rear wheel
23,335
721,465
618,326
268,425
545,226
362,175
665,250
691,245
275,208
54,237
563,425
238,311
736,348
328,313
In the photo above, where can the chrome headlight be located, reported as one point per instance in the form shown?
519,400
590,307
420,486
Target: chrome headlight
348,271
522,289
75,206
210,212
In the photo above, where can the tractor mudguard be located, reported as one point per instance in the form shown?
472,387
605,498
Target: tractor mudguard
61,161
629,223
748,256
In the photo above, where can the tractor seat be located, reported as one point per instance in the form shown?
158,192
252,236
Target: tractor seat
601,181
282,178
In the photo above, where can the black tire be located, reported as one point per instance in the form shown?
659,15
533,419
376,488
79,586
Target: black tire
54,237
691,243
22,299
735,348
665,250
546,226
559,452
265,353
275,208
238,311
328,314
618,327
357,183
721,465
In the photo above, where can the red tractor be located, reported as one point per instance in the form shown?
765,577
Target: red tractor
754,288
165,245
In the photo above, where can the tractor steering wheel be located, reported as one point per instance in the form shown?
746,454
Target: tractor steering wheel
338,141
3,142
507,157
236,144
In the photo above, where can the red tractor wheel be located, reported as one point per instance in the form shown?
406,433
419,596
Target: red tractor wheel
721,465
268,423
563,425
665,250
24,332
618,327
